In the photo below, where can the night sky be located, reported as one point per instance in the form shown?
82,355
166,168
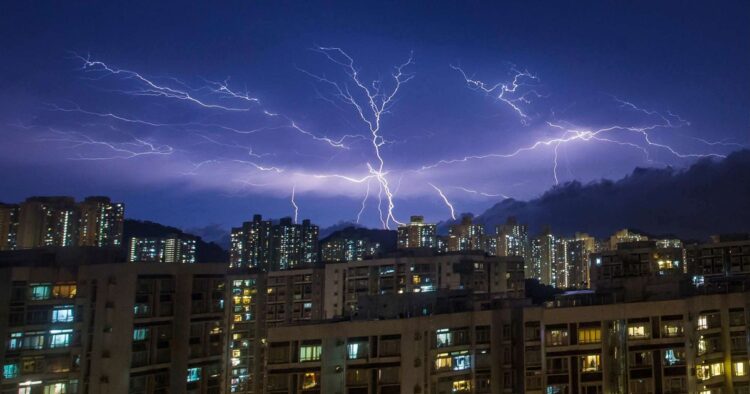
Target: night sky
198,114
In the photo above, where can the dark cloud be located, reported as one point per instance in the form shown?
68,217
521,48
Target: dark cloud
710,197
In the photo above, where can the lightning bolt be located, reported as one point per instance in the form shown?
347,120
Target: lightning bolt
508,92
445,200
364,201
504,92
377,101
294,204
151,87
135,147
484,194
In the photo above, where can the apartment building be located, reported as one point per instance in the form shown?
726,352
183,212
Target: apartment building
688,344
462,352
420,272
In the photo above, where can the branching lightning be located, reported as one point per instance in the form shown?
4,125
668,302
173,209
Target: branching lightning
134,147
511,93
573,134
221,145
377,101
150,87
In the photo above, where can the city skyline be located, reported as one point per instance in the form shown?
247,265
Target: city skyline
225,119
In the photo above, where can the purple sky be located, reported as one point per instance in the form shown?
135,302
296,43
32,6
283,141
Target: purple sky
194,115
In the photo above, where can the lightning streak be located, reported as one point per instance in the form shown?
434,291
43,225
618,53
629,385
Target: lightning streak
574,134
364,201
135,147
510,93
156,89
377,101
294,204
445,199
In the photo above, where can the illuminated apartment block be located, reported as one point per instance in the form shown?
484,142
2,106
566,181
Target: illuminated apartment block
47,221
670,341
100,222
170,249
466,236
348,249
268,246
513,240
463,352
417,234
380,282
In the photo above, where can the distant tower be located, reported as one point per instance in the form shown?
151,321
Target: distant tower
100,222
417,234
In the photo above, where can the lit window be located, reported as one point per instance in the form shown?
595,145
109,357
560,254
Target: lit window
674,357
461,386
707,371
702,322
60,338
10,371
63,314
40,292
140,334
309,353
740,368
16,341
310,380
64,291
557,337
590,363
356,350
443,361
717,369
461,361
589,335
56,388
638,331
194,374
444,337
673,329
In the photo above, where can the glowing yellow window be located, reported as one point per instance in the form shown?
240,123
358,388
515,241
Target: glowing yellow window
443,361
740,368
310,380
64,291
717,369
591,363
589,335
462,386
638,331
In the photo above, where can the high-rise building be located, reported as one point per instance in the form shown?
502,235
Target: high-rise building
252,244
466,236
100,222
513,240
310,234
544,258
60,222
348,249
8,226
170,249
47,221
577,259
265,245
417,234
